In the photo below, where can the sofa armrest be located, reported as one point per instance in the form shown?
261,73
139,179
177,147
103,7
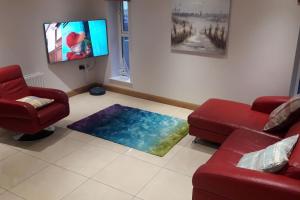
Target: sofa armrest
267,104
57,95
236,183
15,109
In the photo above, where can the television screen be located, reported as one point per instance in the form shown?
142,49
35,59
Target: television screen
76,40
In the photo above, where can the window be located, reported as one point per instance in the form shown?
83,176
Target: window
118,17
124,40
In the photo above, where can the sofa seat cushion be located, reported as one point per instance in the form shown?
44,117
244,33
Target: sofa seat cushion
47,113
207,135
222,116
241,141
244,141
225,157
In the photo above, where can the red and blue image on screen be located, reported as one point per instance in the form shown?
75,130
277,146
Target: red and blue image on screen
76,40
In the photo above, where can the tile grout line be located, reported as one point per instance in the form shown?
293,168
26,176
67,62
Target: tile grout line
14,194
93,178
117,157
163,168
177,172
89,178
77,150
5,158
61,167
160,166
106,148
98,181
54,161
47,165
181,149
66,195
146,184
10,190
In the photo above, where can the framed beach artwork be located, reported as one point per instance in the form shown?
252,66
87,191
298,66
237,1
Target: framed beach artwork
200,26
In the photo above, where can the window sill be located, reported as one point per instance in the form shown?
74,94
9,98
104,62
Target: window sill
122,80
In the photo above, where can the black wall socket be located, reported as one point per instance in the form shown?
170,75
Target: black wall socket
81,67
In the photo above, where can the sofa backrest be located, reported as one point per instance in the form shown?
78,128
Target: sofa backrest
293,130
293,167
12,83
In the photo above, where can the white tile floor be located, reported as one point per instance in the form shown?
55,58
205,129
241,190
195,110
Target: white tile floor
70,165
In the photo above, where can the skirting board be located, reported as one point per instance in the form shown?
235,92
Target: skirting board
81,89
151,97
136,94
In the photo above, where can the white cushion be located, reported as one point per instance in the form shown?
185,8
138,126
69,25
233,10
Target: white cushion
36,102
271,159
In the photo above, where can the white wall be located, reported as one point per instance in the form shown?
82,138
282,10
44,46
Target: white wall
22,39
262,46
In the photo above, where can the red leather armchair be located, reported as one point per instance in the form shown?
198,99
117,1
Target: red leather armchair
23,117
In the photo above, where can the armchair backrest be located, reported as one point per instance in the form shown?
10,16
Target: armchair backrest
12,83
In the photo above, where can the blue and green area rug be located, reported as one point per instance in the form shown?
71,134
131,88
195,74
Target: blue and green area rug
139,129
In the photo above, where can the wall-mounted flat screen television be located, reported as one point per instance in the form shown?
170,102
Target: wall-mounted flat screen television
76,40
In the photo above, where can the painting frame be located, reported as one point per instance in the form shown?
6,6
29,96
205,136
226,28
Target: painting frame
200,27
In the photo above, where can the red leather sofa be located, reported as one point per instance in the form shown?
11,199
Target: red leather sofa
238,128
22,117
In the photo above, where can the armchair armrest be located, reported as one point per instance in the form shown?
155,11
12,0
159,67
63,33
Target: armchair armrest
15,109
57,95
267,104
236,183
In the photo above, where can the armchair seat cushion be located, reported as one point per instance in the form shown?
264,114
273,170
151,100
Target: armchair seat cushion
223,117
52,112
